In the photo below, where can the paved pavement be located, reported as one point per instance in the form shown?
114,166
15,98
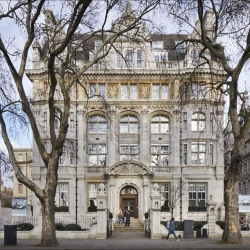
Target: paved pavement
131,241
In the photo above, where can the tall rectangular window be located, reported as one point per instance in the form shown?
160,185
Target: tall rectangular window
157,45
211,122
62,195
185,121
198,156
164,192
194,90
133,91
156,91
197,195
56,124
97,154
124,91
185,154
202,92
211,153
101,90
71,92
159,155
139,59
118,60
92,90
164,91
129,152
71,122
129,59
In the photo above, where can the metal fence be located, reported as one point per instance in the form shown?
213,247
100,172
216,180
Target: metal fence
147,226
109,224
32,221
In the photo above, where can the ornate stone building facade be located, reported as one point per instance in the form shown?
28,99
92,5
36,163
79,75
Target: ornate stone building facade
160,126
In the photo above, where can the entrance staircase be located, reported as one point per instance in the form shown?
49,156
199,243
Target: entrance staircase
135,226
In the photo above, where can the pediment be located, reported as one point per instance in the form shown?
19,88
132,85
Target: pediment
129,168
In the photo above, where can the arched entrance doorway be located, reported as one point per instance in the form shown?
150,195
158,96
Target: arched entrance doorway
129,201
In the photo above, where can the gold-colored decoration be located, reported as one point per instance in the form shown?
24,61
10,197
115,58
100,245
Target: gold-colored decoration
144,91
113,91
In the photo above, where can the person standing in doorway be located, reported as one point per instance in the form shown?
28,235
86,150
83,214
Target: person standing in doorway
171,230
127,219
120,217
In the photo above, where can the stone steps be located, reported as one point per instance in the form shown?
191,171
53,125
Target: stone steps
135,226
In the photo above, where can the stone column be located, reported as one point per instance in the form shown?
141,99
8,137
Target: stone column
211,217
175,139
145,194
112,138
144,140
155,215
101,213
111,198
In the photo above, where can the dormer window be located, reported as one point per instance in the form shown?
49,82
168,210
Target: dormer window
180,48
157,45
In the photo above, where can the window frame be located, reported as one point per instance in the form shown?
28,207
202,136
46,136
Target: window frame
130,155
160,122
160,154
98,121
198,152
129,122
198,194
98,154
196,123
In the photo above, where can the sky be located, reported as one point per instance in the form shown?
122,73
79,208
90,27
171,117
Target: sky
8,29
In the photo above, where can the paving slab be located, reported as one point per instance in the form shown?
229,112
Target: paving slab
131,241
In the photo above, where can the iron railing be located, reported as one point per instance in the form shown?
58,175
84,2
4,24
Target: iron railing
109,224
32,221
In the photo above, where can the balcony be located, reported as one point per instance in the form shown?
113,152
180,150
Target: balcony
157,169
96,170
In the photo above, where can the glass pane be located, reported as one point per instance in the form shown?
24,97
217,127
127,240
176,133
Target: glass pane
156,91
155,160
92,149
92,127
133,119
194,126
102,149
201,125
164,149
124,157
164,160
155,149
155,119
202,147
202,158
92,92
155,128
101,118
134,157
164,92
102,90
194,116
164,127
133,149
133,128
194,158
133,91
123,128
102,160
102,127
124,149
124,91
194,147
92,160
124,119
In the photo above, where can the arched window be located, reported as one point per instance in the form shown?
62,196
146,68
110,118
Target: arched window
159,124
198,122
97,124
129,124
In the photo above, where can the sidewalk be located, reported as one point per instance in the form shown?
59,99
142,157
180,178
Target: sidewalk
131,241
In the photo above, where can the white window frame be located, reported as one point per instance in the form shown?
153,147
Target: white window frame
160,154
129,154
98,154
199,152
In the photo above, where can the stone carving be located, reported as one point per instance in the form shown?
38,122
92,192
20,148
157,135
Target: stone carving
113,91
129,168
144,91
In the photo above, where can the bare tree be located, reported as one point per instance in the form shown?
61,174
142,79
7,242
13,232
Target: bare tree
63,35
221,36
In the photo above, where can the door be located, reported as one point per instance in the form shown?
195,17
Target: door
129,205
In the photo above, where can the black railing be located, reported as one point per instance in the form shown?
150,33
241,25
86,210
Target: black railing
32,221
147,226
82,225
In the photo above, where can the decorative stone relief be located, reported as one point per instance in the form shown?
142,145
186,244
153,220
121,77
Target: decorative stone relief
144,91
129,168
113,91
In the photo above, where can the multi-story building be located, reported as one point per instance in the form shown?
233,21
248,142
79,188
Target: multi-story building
22,196
161,126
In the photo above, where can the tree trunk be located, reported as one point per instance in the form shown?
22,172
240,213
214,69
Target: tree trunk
48,238
232,232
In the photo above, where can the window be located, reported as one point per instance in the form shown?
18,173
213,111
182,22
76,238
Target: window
97,124
71,122
184,64
211,122
139,59
198,156
193,54
194,90
56,124
45,121
62,195
62,157
72,152
97,90
157,45
20,188
211,154
160,91
133,91
157,58
185,121
197,195
129,124
118,60
20,157
129,152
159,124
124,91
185,154
129,59
71,92
180,48
198,122
164,192
97,155
202,92
170,65
159,155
